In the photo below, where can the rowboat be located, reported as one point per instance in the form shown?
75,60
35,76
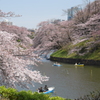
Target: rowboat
79,65
50,90
56,65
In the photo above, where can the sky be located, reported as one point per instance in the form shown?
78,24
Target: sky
35,11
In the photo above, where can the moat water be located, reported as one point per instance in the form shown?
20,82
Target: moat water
69,81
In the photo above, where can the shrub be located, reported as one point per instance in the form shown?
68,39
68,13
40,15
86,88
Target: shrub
58,98
24,95
13,94
8,93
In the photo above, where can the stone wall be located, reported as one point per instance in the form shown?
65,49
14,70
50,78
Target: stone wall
73,61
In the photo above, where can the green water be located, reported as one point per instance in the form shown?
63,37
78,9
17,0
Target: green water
69,81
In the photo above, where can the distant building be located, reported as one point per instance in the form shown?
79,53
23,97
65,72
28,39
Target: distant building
55,21
72,11
7,22
31,30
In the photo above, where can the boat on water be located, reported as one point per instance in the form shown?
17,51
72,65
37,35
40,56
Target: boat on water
79,65
55,64
50,90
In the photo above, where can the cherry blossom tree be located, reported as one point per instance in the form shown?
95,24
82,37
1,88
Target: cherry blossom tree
91,9
21,32
16,53
8,14
52,36
13,60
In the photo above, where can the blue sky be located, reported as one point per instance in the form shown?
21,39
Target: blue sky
36,11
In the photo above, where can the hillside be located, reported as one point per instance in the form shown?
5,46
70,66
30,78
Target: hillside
76,38
85,35
87,49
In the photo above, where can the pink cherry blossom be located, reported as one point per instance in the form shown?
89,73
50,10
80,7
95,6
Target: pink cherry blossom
14,57
52,36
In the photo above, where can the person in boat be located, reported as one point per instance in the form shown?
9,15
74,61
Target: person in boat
40,89
45,88
79,63
55,63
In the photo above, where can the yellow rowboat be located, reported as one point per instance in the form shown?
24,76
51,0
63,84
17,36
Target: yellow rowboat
79,65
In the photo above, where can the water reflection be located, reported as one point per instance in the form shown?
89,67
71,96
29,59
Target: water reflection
69,81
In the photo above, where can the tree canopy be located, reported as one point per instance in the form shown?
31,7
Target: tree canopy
16,53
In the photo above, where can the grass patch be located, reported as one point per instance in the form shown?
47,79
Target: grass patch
72,55
93,54
60,53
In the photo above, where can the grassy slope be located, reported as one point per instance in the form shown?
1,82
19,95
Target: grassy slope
64,53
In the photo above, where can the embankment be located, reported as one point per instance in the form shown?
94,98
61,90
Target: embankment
73,61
